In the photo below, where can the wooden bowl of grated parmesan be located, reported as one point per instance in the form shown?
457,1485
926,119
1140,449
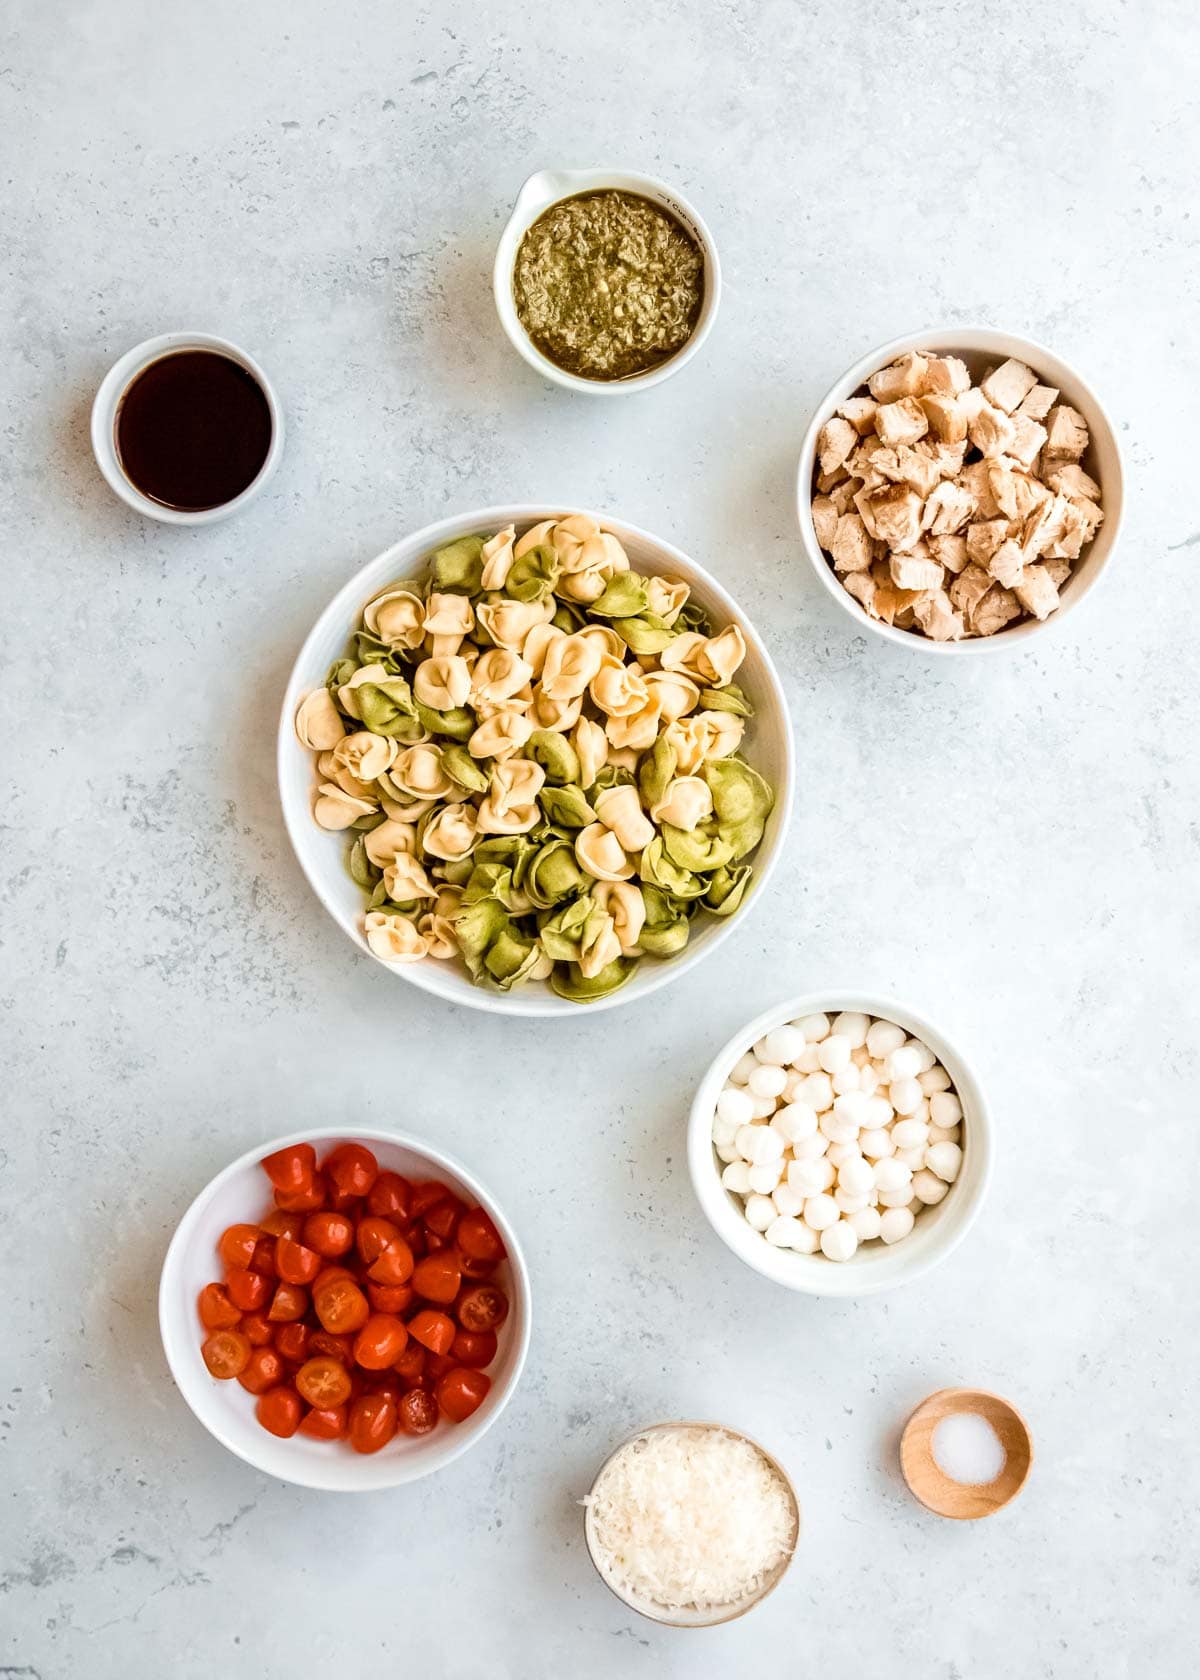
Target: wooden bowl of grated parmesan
691,1524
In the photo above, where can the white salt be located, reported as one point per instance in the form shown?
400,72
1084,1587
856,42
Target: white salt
967,1449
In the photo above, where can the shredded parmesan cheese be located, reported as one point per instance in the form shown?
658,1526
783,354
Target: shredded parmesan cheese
691,1517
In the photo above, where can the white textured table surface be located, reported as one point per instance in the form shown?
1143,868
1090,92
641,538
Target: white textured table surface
1011,843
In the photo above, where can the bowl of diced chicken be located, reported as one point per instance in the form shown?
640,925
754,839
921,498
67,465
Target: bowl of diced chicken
960,489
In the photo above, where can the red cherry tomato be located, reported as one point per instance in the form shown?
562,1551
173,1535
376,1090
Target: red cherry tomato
373,1236
289,1303
236,1246
257,1328
280,1224
478,1237
226,1353
434,1330
411,1363
460,1392
341,1306
394,1265
372,1422
390,1297
324,1383
291,1341
425,1195
437,1277
327,1274
475,1269
442,1218
389,1197
311,1196
380,1342
351,1169
292,1168
417,1412
483,1306
335,1347
294,1262
324,1423
416,1236
264,1370
474,1350
247,1290
329,1234
263,1258
279,1410
217,1311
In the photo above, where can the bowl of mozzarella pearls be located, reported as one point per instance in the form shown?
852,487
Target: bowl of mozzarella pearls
840,1144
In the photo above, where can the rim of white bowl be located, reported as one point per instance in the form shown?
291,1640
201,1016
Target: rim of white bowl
550,186
874,1268
179,1329
972,341
348,603
108,399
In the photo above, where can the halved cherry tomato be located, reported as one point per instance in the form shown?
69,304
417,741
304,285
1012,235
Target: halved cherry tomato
247,1290
307,1199
389,1197
226,1353
483,1306
289,1303
323,1383
236,1246
292,1168
411,1362
335,1347
476,1269
351,1169
327,1274
263,1258
258,1328
443,1217
341,1306
291,1340
417,1412
324,1423
374,1235
330,1234
394,1265
460,1392
478,1237
217,1311
390,1297
474,1350
425,1195
434,1330
280,1410
380,1342
263,1370
372,1422
280,1224
437,1277
294,1262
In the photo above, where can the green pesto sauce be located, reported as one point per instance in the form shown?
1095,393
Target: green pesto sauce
608,284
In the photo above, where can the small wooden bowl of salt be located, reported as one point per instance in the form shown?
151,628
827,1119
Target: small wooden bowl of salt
965,1453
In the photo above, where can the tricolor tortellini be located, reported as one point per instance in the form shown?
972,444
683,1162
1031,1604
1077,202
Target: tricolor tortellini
537,752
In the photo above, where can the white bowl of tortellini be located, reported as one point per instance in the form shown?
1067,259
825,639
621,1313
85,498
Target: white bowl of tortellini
534,760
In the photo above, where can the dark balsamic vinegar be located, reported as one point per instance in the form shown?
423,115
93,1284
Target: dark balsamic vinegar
193,430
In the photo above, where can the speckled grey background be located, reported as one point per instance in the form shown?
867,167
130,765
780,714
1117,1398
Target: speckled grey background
1011,843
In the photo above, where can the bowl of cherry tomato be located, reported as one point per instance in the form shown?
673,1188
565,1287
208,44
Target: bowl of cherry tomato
345,1309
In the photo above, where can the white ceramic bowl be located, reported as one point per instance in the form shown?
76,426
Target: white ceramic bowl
979,348
713,1615
875,1266
547,187
104,417
768,746
243,1193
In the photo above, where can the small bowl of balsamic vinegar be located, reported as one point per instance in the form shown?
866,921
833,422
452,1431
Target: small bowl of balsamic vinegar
186,428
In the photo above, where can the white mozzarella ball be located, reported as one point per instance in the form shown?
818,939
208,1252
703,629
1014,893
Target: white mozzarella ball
903,1063
727,1151
810,1178
735,1104
805,1240
809,1059
845,1079
764,1177
818,1092
944,1159
760,1211
849,1203
945,1109
779,1232
891,1174
759,1144
780,1045
868,1080
883,1037
835,1053
880,1114
839,1153
736,1177
764,1107
856,1176
925,1056
876,1143
903,1094
865,1223
795,1121
723,1132
907,1134
767,1080
852,1026
839,1241
810,1148
791,1090
933,1080
789,1202
820,1212
928,1187
854,1108
814,1027
837,1128
945,1134
743,1068
895,1224
921,1112
912,1158
892,1198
